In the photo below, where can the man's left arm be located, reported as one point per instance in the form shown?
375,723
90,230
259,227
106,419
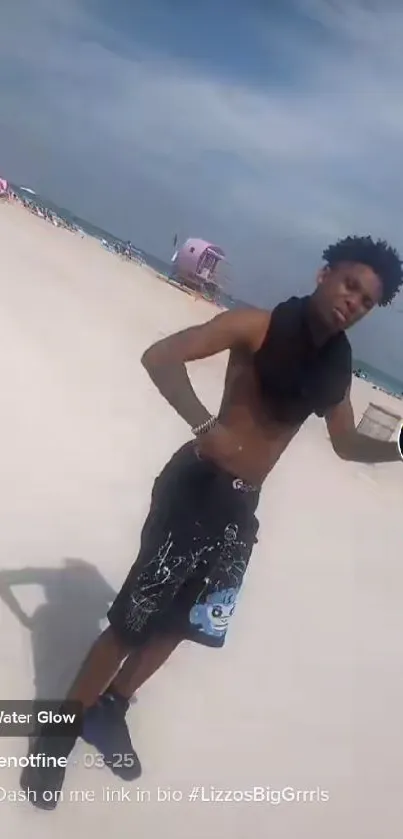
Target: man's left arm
349,444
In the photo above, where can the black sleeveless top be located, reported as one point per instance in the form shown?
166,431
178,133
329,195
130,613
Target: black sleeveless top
297,378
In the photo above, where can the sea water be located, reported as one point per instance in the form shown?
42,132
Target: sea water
379,378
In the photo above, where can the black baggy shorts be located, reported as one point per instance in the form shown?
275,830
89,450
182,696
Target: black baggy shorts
195,548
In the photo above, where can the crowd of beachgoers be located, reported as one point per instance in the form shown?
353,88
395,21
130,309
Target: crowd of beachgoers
123,249
36,209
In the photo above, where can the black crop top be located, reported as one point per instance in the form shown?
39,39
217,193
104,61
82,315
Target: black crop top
298,378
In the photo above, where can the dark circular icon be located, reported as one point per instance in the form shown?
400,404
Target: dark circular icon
400,441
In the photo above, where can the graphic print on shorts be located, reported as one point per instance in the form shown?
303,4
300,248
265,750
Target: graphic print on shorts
212,617
222,562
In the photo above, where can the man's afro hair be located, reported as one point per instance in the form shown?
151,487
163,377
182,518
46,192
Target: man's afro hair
381,257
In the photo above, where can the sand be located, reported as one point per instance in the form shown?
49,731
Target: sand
307,693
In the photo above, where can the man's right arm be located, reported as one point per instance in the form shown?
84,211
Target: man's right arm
165,361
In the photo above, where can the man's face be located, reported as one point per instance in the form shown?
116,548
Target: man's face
346,293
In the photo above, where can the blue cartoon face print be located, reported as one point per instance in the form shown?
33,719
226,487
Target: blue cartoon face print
213,616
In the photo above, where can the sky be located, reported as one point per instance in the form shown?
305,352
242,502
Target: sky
270,128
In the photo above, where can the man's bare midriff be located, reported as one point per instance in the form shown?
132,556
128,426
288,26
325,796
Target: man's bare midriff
242,410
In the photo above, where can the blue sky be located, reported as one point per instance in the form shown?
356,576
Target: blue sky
271,128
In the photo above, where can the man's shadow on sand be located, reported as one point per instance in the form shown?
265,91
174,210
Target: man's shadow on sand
66,625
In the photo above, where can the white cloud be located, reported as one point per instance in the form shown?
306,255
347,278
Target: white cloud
307,164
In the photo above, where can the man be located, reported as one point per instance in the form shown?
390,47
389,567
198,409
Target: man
196,543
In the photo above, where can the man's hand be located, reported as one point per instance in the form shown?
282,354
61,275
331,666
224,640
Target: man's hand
349,444
220,445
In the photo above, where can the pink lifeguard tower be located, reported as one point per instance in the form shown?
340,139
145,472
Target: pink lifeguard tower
196,262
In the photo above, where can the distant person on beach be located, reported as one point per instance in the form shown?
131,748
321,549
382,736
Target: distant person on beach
284,366
129,250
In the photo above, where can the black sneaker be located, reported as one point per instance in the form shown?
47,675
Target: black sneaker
43,784
105,728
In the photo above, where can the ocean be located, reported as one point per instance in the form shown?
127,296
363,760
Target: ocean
377,377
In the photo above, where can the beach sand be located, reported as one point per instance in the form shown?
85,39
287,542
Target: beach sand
307,694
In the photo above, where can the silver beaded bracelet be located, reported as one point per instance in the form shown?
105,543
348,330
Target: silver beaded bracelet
204,427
